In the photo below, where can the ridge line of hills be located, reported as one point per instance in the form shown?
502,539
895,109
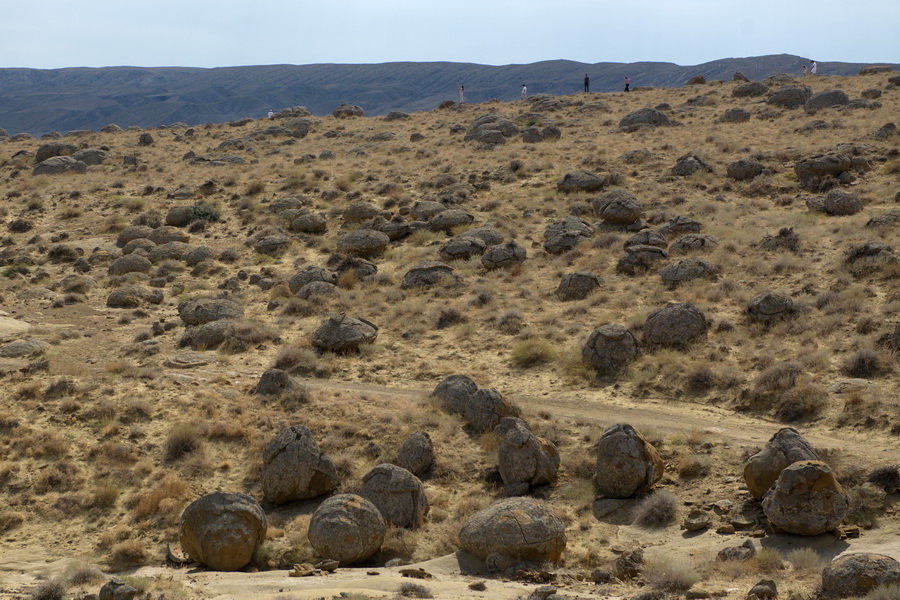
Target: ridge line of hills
39,101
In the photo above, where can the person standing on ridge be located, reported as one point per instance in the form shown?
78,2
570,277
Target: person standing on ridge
813,68
587,83
462,94
627,83
804,70
524,91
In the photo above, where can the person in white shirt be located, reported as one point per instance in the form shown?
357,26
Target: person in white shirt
524,91
814,68
271,114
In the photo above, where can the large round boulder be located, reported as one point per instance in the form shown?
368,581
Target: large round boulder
806,499
346,111
650,117
609,348
364,243
770,307
577,286
784,448
308,274
638,259
205,310
744,169
501,256
526,461
346,528
855,575
427,274
59,164
749,90
562,236
580,181
839,203
793,96
618,207
627,464
397,494
416,455
826,99
485,408
221,530
461,247
294,468
689,164
688,269
515,529
675,326
822,165
340,333
130,263
453,393
449,219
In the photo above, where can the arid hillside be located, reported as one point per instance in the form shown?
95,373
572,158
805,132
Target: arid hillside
708,264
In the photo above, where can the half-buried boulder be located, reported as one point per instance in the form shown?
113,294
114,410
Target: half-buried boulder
340,333
221,530
609,348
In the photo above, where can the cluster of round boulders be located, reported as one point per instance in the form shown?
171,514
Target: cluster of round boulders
826,99
482,408
294,468
221,530
577,286
501,256
416,455
822,165
639,259
525,460
427,274
610,348
461,247
675,325
627,464
562,236
206,310
644,117
340,333
491,129
855,575
688,269
618,207
790,97
806,499
514,530
770,307
744,169
580,181
346,528
397,494
784,448
454,392
310,274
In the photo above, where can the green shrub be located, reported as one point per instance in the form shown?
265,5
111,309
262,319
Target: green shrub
531,353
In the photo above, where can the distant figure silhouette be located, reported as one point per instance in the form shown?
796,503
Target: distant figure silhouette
271,114
524,91
627,84
813,68
804,70
462,94
587,83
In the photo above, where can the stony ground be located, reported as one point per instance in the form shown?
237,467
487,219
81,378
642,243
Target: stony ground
109,426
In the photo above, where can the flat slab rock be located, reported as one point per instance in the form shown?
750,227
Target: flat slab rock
12,327
189,360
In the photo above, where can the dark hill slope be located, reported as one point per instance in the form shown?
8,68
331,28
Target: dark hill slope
37,101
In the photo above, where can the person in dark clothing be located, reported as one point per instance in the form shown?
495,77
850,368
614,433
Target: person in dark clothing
627,83
587,83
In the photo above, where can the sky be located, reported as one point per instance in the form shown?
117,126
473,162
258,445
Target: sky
217,33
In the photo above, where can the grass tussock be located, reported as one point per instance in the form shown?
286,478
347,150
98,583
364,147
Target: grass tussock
657,510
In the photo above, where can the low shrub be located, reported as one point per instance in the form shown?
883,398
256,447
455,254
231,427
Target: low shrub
657,510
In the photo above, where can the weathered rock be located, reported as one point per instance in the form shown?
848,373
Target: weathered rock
491,129
501,256
116,589
133,232
346,528
461,247
294,468
577,286
770,307
221,530
364,243
133,296
487,235
340,333
618,207
317,289
750,90
429,273
629,564
274,382
526,461
397,494
359,212
204,310
52,149
764,590
675,326
697,520
644,117
520,529
416,455
785,448
346,111
308,274
885,131
169,251
692,242
308,222
23,348
580,181
688,269
639,259
826,99
680,225
273,244
806,499
744,169
841,203
647,238
454,392
790,97
627,464
131,263
855,575
485,407
745,551
609,348
822,165
562,236
91,156
689,164
59,164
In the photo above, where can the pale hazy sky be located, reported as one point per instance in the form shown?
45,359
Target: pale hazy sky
215,33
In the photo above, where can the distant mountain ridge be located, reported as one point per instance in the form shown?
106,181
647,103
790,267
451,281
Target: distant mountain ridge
38,101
